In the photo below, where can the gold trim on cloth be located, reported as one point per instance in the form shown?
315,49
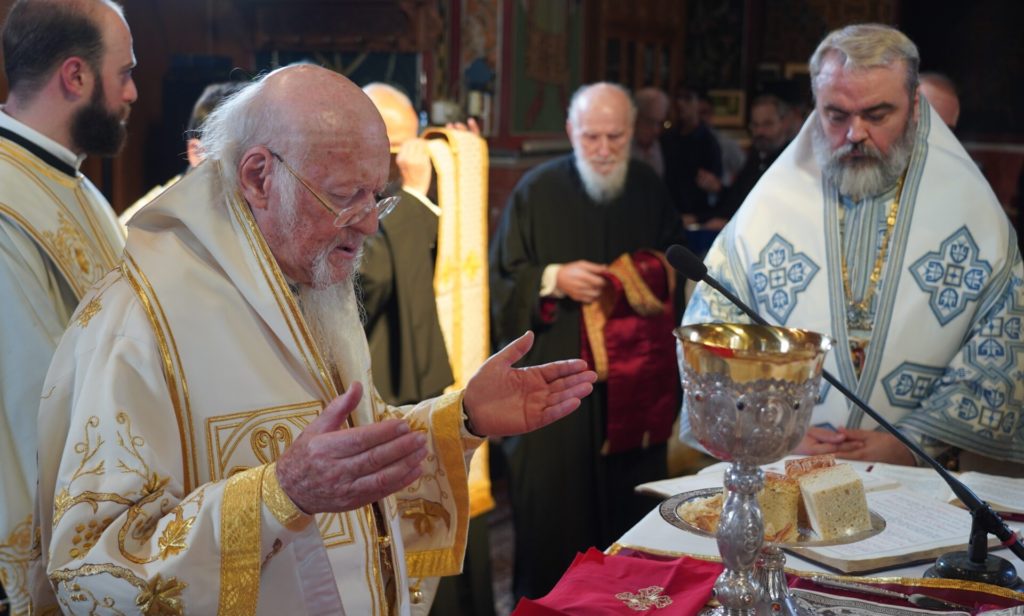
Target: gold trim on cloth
997,591
174,373
639,297
240,525
446,428
285,300
460,160
279,503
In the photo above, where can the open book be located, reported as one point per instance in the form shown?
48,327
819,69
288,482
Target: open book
919,526
917,529
1004,494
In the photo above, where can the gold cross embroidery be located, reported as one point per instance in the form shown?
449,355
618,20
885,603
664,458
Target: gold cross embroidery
645,599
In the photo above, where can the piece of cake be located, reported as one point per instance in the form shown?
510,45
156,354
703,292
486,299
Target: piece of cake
780,500
800,466
835,501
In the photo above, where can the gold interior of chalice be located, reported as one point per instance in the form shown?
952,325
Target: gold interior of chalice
747,353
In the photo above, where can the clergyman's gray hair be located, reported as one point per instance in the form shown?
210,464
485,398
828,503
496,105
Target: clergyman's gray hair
243,120
863,46
581,97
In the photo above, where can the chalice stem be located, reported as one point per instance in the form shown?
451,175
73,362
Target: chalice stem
740,534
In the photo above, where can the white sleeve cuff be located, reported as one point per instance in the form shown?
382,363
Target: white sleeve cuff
549,281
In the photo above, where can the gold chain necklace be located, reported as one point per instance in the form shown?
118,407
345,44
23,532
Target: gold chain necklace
858,315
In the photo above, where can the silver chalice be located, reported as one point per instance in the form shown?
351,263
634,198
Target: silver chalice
750,390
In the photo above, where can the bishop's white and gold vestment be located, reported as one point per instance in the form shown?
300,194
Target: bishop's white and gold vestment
58,236
942,353
166,410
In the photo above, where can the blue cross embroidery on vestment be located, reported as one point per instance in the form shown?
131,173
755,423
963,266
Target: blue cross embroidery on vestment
985,405
910,383
953,276
779,275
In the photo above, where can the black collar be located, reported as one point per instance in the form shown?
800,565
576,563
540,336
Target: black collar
33,147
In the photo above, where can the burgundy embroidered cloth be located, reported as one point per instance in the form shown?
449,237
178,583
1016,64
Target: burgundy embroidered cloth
596,584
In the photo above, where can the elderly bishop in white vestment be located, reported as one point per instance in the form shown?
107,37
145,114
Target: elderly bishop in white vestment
167,409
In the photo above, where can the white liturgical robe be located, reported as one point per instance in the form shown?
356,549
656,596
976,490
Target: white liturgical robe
941,354
166,410
58,236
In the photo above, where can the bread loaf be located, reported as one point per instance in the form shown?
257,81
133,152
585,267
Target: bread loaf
835,501
779,499
800,466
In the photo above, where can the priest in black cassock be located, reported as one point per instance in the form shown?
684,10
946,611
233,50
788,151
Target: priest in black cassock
578,260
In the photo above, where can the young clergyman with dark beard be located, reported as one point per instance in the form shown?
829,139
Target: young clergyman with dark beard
566,228
876,228
69,66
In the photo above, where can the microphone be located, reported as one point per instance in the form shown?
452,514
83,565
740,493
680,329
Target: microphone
978,565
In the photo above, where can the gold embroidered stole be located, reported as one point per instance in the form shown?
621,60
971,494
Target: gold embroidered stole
66,216
460,159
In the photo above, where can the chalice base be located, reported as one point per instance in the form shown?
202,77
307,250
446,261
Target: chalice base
770,572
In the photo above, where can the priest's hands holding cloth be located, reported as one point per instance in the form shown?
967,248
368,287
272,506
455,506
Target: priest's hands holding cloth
331,468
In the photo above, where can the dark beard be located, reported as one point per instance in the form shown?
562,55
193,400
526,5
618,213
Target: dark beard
96,131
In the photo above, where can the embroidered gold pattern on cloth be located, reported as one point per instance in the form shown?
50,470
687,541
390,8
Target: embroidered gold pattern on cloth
141,519
161,597
87,448
86,535
240,524
15,554
88,312
645,599
157,597
239,441
67,240
423,513
172,540
268,445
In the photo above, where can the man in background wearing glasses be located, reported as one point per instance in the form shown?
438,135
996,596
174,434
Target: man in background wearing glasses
195,426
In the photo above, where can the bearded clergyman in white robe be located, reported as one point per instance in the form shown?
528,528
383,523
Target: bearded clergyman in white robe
197,455
68,67
875,227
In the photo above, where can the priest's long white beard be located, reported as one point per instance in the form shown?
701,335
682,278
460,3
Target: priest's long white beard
333,314
602,188
869,176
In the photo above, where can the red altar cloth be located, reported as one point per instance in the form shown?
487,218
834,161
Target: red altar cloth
596,584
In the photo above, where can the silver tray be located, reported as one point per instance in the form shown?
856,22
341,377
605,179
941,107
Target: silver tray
806,538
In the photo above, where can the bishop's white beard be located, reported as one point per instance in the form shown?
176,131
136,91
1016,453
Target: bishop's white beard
333,314
868,176
602,188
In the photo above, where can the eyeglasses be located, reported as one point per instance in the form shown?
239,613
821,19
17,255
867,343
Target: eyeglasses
346,215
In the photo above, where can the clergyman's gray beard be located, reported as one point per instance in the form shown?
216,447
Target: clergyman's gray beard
602,188
322,274
868,176
332,313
